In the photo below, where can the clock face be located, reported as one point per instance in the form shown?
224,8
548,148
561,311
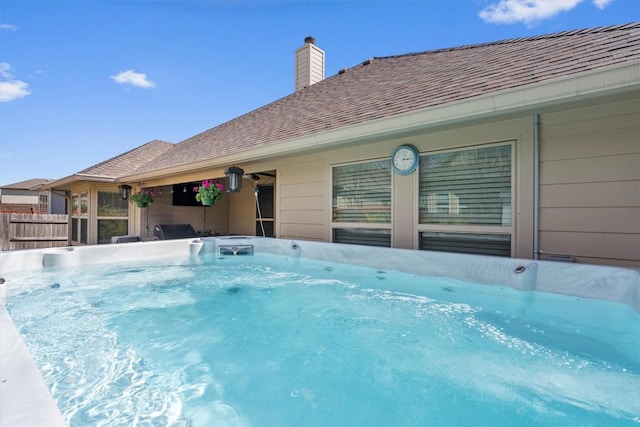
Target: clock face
405,159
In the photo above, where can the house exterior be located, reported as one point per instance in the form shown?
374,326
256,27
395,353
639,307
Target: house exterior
97,210
27,197
525,147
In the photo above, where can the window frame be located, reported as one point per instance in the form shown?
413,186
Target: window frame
80,208
363,226
43,202
107,217
471,228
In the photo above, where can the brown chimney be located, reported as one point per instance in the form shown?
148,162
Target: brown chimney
309,64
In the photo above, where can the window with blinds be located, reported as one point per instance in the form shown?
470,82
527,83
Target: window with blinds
362,192
479,244
466,187
465,201
362,236
361,198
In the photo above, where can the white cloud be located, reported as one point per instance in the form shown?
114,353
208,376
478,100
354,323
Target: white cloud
8,27
4,70
601,4
13,90
530,11
10,89
130,77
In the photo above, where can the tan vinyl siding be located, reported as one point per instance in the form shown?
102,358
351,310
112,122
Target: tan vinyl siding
313,232
300,204
309,66
316,65
591,194
303,65
602,248
302,212
590,184
302,217
601,219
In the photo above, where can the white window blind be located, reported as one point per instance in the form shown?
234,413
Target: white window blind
466,187
362,192
362,236
481,244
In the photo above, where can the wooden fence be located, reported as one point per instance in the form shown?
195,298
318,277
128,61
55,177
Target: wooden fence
31,231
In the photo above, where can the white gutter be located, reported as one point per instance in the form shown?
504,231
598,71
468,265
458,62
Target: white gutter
590,84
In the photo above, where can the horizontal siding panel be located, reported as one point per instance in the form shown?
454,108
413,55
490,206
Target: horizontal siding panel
601,111
588,126
617,114
597,194
593,245
302,189
601,220
302,231
301,173
301,203
317,60
595,169
596,144
302,217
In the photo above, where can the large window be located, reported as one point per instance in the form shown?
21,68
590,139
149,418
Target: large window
361,211
113,214
465,200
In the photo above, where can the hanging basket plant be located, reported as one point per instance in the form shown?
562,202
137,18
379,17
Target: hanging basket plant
208,192
142,198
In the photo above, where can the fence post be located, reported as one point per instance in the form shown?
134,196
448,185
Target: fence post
4,231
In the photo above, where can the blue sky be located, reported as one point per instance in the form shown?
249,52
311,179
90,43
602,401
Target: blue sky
85,80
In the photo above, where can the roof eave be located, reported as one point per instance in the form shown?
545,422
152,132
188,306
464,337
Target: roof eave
65,183
582,86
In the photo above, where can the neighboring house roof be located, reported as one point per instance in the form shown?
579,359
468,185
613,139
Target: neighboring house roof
30,184
389,86
110,170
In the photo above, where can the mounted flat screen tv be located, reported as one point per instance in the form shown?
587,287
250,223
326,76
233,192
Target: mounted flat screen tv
185,198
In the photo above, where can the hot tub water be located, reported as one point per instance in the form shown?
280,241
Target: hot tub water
276,341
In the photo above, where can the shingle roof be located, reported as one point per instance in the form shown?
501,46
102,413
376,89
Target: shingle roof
125,163
29,184
387,86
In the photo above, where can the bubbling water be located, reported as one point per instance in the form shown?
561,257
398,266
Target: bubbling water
265,340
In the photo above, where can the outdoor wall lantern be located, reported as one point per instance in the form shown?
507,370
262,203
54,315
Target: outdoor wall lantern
233,177
125,190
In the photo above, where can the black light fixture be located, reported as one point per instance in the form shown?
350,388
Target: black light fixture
125,190
233,177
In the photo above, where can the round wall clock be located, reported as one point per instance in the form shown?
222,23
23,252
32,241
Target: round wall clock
405,159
